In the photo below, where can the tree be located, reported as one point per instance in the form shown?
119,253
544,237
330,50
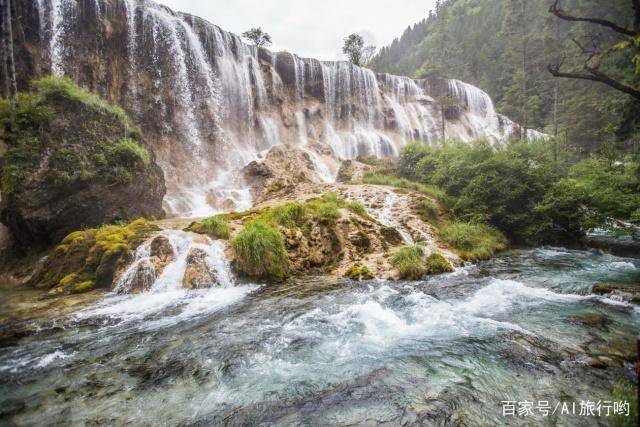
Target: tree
258,37
355,49
594,54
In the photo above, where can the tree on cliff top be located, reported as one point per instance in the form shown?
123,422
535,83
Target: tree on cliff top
257,37
354,47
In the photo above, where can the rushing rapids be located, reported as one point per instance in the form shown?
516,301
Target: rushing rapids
448,348
210,104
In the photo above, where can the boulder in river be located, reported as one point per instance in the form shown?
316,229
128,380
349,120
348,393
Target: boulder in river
199,274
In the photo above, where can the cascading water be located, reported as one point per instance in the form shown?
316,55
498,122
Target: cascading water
218,104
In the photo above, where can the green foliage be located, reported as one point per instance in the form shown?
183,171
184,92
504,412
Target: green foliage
214,226
325,208
426,189
437,264
472,242
408,262
260,253
72,148
64,87
428,210
89,258
359,272
484,42
624,391
289,214
258,37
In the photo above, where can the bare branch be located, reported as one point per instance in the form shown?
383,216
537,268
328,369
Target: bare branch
557,11
595,76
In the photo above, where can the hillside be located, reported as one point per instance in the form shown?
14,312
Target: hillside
482,42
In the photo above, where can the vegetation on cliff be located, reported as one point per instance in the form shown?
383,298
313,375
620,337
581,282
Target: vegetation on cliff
260,253
90,258
72,160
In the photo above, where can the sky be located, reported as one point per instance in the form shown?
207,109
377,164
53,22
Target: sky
311,28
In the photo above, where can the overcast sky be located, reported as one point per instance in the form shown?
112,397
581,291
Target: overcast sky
311,28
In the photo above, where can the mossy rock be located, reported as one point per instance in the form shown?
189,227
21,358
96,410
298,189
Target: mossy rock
92,255
215,226
73,161
437,264
361,241
359,272
391,235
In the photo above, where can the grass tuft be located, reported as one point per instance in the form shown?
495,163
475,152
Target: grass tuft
408,262
214,226
260,253
437,264
473,242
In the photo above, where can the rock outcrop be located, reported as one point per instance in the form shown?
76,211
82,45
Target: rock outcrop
74,161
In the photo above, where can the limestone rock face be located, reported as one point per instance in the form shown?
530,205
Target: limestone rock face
84,173
143,278
199,274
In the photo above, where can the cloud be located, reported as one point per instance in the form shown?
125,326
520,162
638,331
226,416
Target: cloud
311,28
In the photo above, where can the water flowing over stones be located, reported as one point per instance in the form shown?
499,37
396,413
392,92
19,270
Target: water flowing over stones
211,104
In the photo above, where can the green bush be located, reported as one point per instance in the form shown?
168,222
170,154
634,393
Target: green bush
260,253
408,262
472,242
325,208
437,264
359,272
426,189
214,226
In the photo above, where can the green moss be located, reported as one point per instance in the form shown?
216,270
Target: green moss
437,264
214,226
359,272
84,142
391,235
92,255
55,86
408,262
83,287
260,253
472,242
624,391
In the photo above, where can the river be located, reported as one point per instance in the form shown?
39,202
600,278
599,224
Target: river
446,350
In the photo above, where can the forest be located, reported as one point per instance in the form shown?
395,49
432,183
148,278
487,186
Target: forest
507,47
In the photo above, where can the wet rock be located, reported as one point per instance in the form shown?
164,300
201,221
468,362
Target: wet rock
595,320
198,274
618,293
143,277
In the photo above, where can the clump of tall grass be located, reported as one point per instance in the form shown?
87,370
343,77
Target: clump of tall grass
408,262
473,242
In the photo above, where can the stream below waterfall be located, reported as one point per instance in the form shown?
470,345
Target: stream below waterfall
316,351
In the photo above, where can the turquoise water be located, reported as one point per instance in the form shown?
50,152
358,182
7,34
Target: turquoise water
442,351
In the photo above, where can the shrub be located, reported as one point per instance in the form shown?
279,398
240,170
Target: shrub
359,272
359,209
260,253
214,226
437,264
408,262
473,242
325,208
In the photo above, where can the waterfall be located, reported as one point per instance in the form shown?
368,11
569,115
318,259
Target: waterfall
216,104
